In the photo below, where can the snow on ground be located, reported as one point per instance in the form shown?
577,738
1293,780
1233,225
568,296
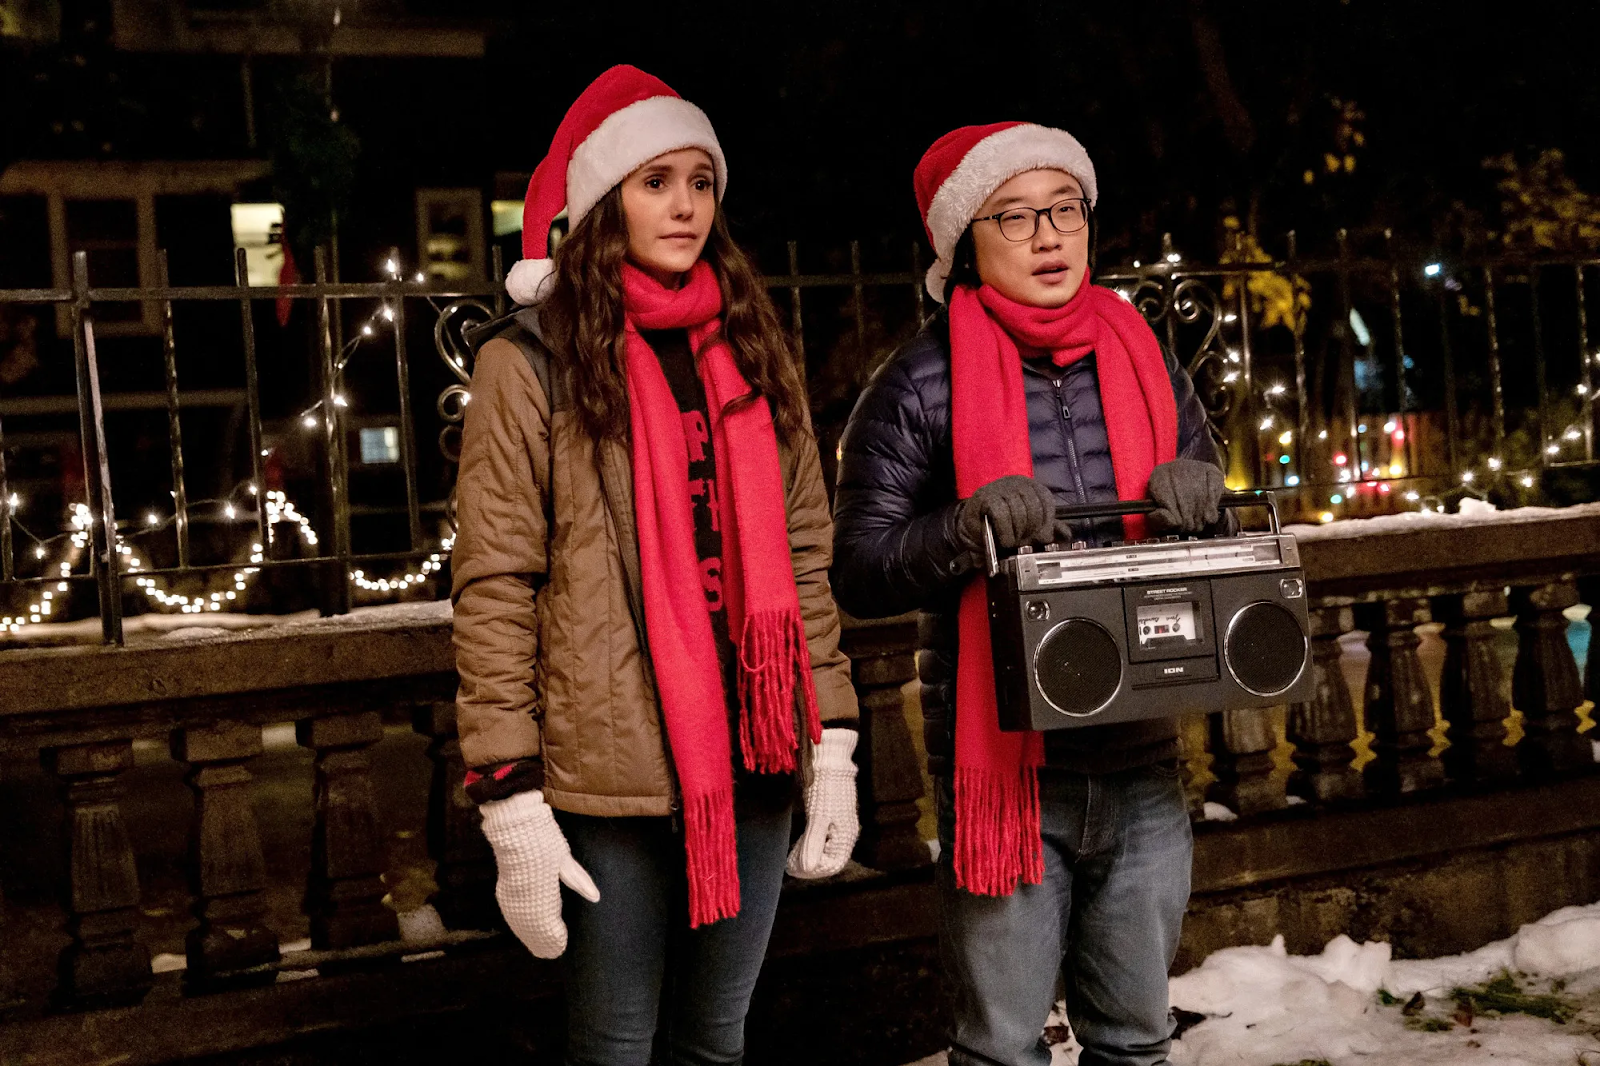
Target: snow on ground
1354,1005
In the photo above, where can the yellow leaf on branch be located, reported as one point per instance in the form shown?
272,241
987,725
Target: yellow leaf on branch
1275,299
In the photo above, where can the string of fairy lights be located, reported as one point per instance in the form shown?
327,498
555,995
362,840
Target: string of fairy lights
1478,479
280,511
384,316
1378,464
72,545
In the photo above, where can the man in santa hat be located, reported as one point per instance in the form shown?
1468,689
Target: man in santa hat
1065,853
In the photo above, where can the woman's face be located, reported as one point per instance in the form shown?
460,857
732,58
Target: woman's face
1046,270
669,204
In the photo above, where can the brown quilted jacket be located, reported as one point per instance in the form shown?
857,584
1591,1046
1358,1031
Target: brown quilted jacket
549,632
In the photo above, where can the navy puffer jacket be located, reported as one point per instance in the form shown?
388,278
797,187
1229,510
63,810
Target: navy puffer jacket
895,547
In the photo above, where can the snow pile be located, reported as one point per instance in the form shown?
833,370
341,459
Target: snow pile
1264,1006
1562,943
1284,1007
1473,512
1566,942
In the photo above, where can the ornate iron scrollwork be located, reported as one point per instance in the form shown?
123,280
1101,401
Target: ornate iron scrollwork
449,340
1196,303
1152,297
1170,306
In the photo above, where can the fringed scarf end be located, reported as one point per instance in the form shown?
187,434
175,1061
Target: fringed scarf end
997,831
711,845
773,659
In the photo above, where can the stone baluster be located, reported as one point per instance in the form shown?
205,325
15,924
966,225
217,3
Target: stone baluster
889,782
344,897
104,965
1472,689
1323,728
1399,709
1242,743
1544,683
1589,592
227,873
464,862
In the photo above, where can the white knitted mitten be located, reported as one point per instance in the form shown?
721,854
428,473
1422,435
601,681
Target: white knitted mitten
831,823
534,863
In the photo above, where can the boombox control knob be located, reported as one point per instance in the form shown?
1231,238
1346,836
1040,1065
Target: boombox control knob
1025,550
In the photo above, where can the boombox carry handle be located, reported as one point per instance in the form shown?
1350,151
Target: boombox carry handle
1118,508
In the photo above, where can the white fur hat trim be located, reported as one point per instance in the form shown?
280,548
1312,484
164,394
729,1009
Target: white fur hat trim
989,164
630,138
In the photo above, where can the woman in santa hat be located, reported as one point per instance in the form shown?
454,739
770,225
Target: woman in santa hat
647,642
1065,853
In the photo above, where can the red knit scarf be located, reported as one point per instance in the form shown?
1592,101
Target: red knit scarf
997,785
758,580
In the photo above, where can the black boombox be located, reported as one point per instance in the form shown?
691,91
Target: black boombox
1086,636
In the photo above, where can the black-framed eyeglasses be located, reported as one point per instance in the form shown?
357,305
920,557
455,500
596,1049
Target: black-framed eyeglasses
1021,223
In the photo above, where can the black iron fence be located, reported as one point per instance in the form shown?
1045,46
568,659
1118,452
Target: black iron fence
97,546
1371,374
1357,384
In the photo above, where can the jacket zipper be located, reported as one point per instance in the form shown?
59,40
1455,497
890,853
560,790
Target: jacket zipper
1072,446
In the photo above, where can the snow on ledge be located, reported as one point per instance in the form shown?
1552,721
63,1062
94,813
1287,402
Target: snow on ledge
1473,513
226,625
383,614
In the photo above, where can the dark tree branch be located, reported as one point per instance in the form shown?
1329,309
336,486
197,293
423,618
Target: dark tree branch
1236,124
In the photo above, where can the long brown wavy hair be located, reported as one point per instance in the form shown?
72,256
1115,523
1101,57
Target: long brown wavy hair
582,322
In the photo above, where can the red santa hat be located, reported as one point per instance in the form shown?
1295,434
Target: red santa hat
624,119
966,166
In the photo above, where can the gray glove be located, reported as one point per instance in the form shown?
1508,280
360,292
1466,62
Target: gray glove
1022,509
1187,492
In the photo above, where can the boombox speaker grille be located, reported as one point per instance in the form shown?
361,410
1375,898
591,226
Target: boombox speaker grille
1078,667
1266,649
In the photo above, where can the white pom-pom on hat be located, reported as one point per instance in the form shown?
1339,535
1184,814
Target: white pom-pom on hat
527,280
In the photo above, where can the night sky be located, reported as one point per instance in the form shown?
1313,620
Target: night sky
1192,110
824,108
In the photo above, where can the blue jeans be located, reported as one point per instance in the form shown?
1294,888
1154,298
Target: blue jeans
1117,851
632,958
